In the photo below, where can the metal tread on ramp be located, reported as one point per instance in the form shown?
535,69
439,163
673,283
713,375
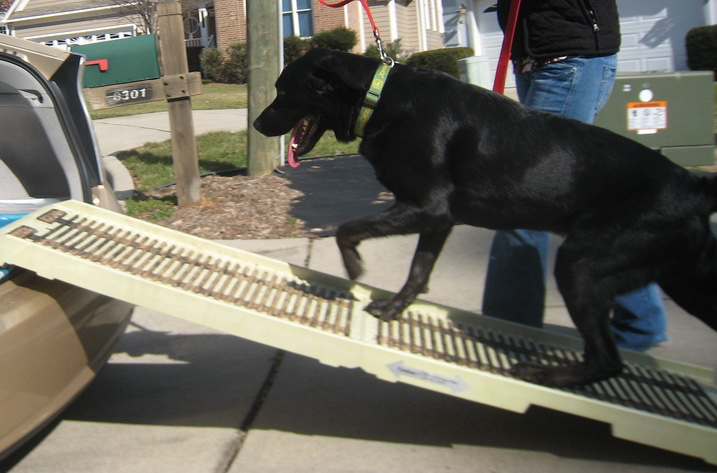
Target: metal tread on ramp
655,402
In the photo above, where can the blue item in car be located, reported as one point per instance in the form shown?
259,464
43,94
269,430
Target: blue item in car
9,218
4,220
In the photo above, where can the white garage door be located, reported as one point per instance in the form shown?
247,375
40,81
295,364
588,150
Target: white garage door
491,37
653,33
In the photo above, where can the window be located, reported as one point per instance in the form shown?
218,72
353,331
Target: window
297,18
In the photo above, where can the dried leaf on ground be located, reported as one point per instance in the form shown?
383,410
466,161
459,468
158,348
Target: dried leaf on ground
238,207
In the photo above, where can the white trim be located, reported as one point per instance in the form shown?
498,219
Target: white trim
475,39
422,30
432,8
710,9
439,16
128,27
362,38
63,14
392,20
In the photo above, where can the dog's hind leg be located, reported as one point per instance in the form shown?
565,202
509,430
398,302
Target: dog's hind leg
589,300
696,291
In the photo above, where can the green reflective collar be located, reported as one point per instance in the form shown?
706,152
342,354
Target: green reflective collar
372,97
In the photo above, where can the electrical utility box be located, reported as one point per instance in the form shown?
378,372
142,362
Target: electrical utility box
669,112
475,70
120,61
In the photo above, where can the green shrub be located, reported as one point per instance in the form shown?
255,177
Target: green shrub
294,48
701,43
338,39
212,61
445,60
236,67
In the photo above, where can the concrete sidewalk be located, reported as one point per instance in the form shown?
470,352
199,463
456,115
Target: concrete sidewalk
124,133
178,397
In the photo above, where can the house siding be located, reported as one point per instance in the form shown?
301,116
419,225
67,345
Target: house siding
408,27
49,7
231,23
58,20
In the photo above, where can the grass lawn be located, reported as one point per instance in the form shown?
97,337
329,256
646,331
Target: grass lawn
151,164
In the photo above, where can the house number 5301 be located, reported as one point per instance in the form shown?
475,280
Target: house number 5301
129,95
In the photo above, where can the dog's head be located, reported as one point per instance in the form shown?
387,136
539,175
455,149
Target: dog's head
320,91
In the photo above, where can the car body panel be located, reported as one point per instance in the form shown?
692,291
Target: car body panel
54,337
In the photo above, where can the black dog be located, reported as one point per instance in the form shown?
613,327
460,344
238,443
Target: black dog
451,152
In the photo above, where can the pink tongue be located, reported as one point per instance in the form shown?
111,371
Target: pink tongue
291,157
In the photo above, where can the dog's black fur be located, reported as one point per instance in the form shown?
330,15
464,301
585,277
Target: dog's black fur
452,152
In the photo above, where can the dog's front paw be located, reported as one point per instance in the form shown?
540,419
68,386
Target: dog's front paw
561,376
386,310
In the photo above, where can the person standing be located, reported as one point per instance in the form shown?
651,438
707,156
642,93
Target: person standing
564,58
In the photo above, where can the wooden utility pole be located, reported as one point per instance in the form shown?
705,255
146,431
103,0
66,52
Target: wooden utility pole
264,50
176,85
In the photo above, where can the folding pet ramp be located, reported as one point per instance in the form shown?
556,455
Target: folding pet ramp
655,402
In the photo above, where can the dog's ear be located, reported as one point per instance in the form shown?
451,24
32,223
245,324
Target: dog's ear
332,74
321,81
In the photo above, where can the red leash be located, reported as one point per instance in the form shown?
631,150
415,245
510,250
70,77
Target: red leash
500,74
376,33
502,71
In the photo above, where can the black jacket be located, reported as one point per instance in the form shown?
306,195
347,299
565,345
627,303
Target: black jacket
548,29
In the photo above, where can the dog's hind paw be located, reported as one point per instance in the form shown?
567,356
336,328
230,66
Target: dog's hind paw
561,376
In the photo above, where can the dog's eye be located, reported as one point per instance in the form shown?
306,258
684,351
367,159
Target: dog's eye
280,93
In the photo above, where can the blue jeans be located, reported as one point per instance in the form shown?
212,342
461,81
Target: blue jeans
517,267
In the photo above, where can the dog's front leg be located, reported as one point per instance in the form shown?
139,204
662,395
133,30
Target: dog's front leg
429,247
399,219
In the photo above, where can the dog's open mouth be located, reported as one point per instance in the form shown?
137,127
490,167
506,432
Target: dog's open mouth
302,139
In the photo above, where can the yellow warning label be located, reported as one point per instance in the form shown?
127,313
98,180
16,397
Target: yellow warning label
643,116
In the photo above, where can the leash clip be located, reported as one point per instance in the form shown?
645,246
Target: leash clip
385,58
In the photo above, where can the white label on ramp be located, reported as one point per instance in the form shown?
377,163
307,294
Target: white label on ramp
454,384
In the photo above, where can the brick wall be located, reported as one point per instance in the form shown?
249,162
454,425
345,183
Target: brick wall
326,18
231,20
